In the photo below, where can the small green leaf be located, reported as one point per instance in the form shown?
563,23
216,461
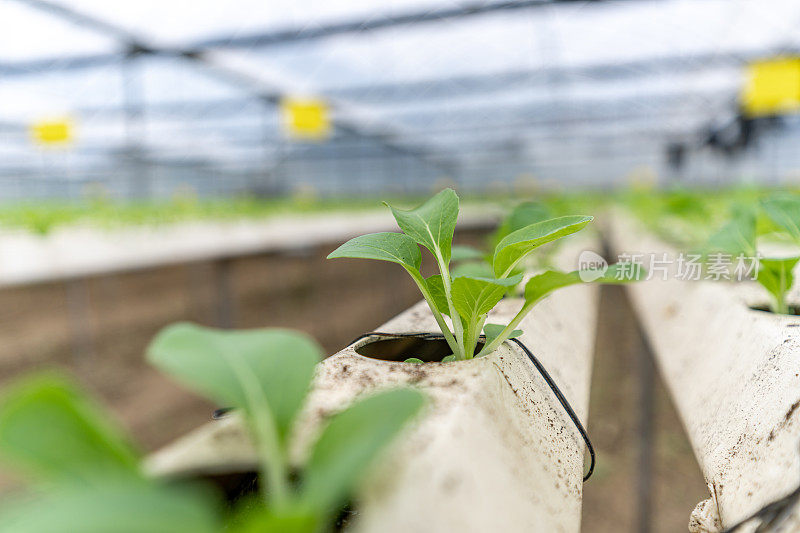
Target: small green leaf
246,368
493,330
432,224
776,275
449,358
351,442
473,269
465,253
414,360
436,288
515,246
394,247
524,214
543,284
114,507
474,297
291,519
737,236
784,210
51,429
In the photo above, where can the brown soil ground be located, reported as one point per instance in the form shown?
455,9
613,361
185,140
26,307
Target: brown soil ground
609,498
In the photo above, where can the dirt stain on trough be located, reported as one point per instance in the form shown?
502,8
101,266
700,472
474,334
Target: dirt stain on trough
786,418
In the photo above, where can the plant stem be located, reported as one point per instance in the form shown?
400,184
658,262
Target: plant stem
780,297
458,328
272,463
448,336
272,468
489,348
469,347
478,330
780,302
782,308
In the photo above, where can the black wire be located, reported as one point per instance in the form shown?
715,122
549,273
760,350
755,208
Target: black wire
220,413
223,412
542,370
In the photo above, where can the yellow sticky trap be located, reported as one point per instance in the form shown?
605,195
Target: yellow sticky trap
772,87
52,132
306,118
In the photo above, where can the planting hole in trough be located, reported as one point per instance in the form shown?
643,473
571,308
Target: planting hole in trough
242,489
793,309
402,348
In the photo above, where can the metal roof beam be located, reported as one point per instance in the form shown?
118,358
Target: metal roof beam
220,64
261,39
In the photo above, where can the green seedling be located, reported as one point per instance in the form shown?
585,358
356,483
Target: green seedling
90,471
739,236
467,298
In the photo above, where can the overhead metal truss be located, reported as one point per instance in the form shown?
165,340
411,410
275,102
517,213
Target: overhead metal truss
348,120
264,39
439,137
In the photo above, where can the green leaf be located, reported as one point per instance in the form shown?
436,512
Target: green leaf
520,243
291,519
114,507
465,253
776,275
524,214
394,247
473,270
49,428
784,210
543,284
245,368
350,443
492,331
414,360
432,224
474,297
449,358
436,288
737,236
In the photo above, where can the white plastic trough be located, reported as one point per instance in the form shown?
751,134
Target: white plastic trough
74,252
494,451
734,375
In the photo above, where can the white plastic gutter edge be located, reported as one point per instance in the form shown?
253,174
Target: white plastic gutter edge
734,375
83,251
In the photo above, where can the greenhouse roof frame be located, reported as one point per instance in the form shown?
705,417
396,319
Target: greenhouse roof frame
260,40
507,74
349,120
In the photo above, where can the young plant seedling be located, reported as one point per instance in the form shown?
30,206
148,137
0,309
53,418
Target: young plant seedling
467,298
53,431
784,212
738,237
267,374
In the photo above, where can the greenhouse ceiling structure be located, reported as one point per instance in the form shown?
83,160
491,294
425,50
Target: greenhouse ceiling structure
148,98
